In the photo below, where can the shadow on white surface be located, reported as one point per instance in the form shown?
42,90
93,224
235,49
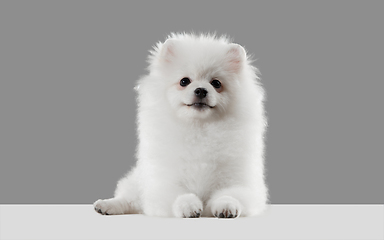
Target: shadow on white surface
278,222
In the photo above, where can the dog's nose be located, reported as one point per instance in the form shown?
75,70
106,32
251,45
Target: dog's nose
201,92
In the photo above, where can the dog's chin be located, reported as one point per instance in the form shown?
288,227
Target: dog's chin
200,106
195,111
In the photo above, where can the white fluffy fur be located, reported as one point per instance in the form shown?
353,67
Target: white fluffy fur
207,161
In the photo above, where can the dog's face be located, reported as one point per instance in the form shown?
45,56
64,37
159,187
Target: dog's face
202,77
198,97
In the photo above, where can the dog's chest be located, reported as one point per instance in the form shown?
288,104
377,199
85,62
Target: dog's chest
201,178
203,161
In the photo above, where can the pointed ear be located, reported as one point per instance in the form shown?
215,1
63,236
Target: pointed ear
168,50
236,57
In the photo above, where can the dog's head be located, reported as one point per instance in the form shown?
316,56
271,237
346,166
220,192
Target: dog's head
201,74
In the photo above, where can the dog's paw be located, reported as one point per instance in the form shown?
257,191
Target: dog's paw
226,207
108,207
187,206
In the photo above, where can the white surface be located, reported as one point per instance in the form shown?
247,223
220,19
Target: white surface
279,222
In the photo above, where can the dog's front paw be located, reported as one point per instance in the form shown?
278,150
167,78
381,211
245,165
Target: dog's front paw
110,206
187,206
226,207
101,206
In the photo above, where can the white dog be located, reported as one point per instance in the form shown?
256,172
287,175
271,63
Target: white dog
201,125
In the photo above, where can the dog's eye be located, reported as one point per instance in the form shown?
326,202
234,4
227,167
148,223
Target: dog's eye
184,82
216,83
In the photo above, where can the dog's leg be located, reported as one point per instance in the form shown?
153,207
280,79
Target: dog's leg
159,196
235,201
114,206
187,206
126,198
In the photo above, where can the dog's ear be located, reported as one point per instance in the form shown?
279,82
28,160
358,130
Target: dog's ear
236,57
168,50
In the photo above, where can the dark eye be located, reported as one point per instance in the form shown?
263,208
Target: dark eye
184,82
216,83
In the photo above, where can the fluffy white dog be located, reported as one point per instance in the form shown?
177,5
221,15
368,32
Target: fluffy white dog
201,125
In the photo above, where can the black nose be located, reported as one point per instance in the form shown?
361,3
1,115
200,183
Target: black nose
201,92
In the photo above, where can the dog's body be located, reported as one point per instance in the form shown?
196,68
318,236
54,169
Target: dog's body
200,127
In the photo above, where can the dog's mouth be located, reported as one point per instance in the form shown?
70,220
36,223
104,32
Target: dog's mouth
199,105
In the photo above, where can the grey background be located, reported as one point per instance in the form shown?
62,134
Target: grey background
67,105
